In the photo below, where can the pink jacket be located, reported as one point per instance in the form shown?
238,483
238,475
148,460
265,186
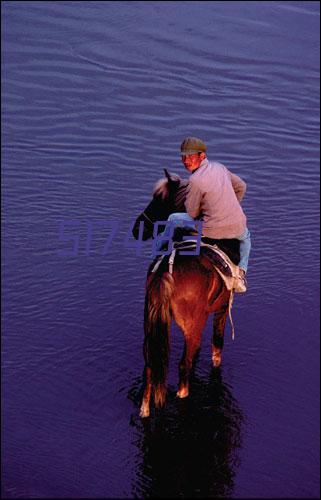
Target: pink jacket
214,195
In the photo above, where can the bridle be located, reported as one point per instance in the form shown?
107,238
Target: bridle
147,219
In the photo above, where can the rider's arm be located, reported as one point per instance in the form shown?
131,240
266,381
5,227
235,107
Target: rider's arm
239,186
193,199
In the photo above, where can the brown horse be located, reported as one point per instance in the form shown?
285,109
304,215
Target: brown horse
192,292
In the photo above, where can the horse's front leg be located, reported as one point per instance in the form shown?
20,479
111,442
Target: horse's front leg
218,335
145,406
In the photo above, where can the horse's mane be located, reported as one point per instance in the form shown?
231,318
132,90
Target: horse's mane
161,189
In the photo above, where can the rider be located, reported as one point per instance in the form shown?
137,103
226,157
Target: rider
214,195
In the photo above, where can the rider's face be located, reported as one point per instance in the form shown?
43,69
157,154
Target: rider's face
193,161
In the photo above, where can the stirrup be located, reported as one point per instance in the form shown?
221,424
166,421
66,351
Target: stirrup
241,284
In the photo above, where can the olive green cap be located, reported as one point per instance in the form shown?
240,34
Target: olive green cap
192,145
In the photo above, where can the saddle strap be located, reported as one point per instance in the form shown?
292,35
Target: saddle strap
171,261
230,303
158,263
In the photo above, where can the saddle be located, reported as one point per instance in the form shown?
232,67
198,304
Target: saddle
231,247
224,255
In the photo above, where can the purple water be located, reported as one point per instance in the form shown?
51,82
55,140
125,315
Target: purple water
97,97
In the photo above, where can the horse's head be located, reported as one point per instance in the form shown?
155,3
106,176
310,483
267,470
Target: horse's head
168,197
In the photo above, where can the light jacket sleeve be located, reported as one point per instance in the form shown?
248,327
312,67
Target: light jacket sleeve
193,200
239,186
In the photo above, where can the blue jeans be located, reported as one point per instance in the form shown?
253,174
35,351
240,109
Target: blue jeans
245,248
184,221
178,219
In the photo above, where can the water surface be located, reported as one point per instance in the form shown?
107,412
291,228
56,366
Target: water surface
97,97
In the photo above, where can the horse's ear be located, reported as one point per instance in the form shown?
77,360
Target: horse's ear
172,179
168,175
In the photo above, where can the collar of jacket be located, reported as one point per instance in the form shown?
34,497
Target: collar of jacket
204,163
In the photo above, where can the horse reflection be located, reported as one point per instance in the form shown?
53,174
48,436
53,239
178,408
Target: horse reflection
190,450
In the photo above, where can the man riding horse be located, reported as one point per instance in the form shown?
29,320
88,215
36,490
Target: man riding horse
214,195
195,285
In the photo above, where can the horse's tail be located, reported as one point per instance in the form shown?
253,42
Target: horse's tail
159,291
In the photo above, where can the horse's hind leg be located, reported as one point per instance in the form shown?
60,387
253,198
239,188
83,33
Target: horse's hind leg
193,335
218,334
144,409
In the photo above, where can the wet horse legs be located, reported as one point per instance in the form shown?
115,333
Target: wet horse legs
190,349
218,335
193,336
144,409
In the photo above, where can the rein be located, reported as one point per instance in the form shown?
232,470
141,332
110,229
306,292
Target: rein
145,216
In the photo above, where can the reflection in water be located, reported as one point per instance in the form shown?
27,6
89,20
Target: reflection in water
190,447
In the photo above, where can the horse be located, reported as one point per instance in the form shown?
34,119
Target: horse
189,295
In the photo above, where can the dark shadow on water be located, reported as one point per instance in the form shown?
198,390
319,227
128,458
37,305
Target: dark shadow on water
189,449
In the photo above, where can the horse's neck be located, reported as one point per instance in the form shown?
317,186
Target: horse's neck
180,195
183,184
